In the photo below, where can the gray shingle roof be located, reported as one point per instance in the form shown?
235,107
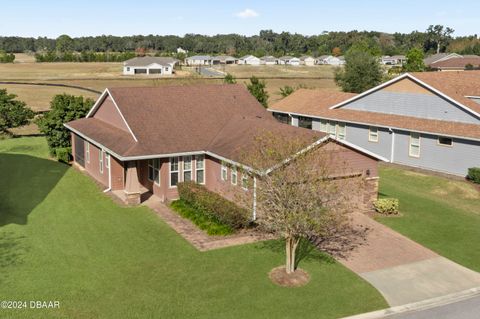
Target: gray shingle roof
147,60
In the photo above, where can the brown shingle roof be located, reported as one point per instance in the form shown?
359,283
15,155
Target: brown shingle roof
222,119
454,84
457,63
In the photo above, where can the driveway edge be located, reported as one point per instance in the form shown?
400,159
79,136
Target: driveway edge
420,305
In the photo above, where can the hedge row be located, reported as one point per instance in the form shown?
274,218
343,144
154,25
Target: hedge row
84,57
214,205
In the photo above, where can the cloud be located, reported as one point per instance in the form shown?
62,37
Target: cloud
247,13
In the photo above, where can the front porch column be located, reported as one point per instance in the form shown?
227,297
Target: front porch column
132,185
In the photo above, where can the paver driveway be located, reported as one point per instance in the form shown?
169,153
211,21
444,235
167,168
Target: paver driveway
402,270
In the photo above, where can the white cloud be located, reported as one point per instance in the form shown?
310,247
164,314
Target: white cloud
247,13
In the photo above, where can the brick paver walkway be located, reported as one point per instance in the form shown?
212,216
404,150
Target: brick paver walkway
197,237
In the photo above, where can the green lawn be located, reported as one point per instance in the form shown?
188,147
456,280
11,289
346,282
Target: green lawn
62,239
439,213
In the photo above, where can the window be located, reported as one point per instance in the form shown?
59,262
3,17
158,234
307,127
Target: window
224,173
187,168
100,160
305,122
414,149
166,69
445,141
200,169
341,131
128,69
154,170
373,134
282,118
331,128
173,171
234,176
323,125
87,152
245,181
107,160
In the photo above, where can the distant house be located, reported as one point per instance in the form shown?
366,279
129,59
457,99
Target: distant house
140,140
199,60
149,65
285,59
457,64
429,120
440,57
331,60
307,60
393,60
224,59
180,50
249,59
268,60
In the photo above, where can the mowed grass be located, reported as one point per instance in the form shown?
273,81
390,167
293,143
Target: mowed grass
314,71
62,239
439,213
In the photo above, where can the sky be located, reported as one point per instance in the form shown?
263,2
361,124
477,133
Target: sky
52,18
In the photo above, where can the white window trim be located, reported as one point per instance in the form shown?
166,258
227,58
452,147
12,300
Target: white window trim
224,169
245,178
192,178
100,160
233,172
200,169
154,169
107,160
410,146
444,145
87,152
170,171
337,130
370,135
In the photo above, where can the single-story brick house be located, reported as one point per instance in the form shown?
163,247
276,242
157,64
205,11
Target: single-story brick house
428,120
153,138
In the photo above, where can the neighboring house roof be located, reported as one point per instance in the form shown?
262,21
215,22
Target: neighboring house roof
306,57
199,57
223,58
399,57
285,57
323,57
268,58
169,120
148,60
454,85
457,63
246,57
440,57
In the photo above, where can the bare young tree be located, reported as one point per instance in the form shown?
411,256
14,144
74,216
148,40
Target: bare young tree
304,189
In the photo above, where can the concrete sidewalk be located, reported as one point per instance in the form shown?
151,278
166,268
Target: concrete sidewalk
402,270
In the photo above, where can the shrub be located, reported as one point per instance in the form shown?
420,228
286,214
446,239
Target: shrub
213,205
199,218
386,206
474,174
63,154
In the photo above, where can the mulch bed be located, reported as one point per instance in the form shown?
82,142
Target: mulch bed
280,277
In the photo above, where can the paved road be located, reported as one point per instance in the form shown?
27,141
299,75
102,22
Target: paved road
464,309
206,71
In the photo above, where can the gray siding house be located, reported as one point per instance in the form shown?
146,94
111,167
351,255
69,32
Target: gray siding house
425,120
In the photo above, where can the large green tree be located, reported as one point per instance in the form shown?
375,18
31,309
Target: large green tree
13,113
362,71
64,43
257,89
64,108
439,35
414,61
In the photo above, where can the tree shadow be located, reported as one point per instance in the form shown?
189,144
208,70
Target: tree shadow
25,181
12,251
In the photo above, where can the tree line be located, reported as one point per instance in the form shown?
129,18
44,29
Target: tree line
435,39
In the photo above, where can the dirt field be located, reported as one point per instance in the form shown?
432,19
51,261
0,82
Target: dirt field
98,76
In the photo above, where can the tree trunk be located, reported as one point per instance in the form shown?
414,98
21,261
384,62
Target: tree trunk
291,244
438,47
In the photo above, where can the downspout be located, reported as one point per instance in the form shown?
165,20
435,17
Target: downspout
109,174
392,151
254,217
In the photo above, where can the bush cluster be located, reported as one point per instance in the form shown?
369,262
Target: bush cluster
386,206
6,57
213,205
53,56
474,174
63,154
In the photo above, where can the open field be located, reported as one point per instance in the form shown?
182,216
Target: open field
439,213
62,239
